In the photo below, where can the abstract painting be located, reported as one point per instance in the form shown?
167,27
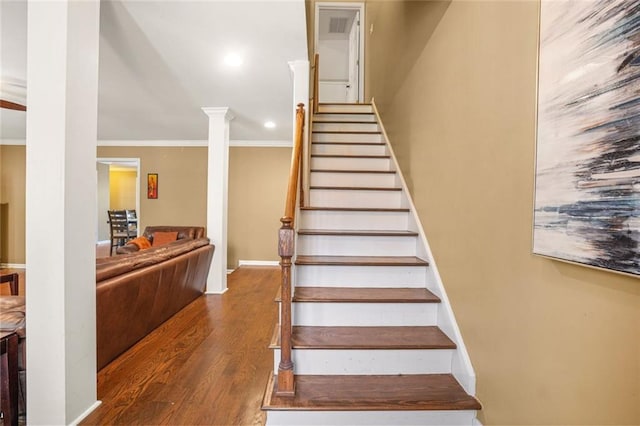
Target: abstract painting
587,194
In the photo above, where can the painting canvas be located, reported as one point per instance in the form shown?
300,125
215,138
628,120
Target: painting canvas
587,195
152,186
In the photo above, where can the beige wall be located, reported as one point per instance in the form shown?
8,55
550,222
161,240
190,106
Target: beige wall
182,183
257,189
257,185
12,200
122,190
103,201
552,343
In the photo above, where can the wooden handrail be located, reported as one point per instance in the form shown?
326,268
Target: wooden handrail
286,250
316,71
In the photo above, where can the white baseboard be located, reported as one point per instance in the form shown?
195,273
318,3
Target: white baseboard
86,413
13,265
258,263
217,292
230,271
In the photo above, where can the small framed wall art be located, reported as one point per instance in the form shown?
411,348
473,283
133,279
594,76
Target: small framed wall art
152,186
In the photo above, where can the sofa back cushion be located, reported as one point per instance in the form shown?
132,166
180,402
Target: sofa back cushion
184,232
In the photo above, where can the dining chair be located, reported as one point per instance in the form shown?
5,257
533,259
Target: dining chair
14,282
119,228
132,223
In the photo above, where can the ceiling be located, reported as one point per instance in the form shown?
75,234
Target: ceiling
162,61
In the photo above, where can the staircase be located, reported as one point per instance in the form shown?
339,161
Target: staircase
374,338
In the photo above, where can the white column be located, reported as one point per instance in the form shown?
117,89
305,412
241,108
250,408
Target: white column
62,108
217,195
300,77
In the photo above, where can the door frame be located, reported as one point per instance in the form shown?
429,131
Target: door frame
356,6
117,160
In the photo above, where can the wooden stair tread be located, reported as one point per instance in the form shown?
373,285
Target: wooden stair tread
358,233
352,171
350,143
355,188
361,260
364,295
344,112
353,209
346,121
348,156
372,393
396,337
348,132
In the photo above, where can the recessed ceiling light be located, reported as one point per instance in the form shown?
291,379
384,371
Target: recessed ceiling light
233,60
270,125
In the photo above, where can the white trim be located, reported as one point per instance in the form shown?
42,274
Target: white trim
148,142
88,411
218,293
258,263
13,265
13,141
261,144
171,143
230,271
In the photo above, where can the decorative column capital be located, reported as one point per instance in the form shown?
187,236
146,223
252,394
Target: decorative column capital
218,112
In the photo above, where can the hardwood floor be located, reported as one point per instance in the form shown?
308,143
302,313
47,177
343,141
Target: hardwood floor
208,365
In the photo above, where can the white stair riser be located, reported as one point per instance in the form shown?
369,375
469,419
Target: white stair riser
361,276
371,418
350,163
355,198
346,127
378,180
346,137
354,149
353,220
382,361
352,245
318,118
337,108
327,314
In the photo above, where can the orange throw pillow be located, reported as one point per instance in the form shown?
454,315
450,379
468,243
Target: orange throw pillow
162,238
141,242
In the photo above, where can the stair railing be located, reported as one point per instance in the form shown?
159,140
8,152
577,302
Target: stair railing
316,71
286,250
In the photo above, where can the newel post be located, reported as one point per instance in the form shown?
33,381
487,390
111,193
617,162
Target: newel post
286,384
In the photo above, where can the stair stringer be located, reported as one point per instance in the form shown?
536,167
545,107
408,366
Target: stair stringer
461,367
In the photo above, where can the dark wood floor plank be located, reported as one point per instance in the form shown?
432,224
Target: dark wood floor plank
361,260
364,295
351,393
206,365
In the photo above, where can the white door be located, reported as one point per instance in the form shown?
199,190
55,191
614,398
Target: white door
353,86
338,40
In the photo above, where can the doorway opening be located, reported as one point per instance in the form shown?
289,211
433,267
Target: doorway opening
339,40
118,189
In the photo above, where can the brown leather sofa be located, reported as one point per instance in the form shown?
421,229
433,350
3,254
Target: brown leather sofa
184,232
138,291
